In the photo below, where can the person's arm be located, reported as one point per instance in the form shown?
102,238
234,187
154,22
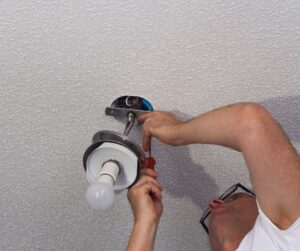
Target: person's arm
142,237
145,200
273,163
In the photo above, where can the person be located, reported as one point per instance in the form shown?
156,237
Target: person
268,221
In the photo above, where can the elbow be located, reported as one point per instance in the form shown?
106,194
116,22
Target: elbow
254,113
255,121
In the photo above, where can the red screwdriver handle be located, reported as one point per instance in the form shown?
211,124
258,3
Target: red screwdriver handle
150,162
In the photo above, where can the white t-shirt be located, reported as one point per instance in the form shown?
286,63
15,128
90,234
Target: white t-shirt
266,236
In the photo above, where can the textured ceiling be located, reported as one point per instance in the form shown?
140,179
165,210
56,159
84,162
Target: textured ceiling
63,62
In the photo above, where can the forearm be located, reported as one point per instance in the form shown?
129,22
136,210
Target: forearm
220,126
142,237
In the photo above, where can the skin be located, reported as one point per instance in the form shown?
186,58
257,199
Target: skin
272,161
231,220
146,202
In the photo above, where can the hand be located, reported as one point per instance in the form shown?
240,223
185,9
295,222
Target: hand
161,125
145,198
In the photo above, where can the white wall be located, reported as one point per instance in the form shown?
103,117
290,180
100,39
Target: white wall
63,62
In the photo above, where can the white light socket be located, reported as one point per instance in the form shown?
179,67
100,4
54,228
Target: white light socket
112,163
109,172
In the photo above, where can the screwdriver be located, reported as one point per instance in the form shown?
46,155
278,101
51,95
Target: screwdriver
150,161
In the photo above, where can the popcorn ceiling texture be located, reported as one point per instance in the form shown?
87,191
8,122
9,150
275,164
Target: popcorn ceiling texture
63,62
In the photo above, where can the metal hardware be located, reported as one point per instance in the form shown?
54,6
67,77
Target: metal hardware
122,106
128,108
130,123
121,113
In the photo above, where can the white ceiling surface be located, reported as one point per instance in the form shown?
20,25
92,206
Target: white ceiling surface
63,62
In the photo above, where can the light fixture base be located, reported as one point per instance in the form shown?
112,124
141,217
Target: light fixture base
109,145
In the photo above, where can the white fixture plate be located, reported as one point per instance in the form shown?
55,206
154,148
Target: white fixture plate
112,151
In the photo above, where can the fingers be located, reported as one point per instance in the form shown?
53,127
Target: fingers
137,194
147,131
146,140
145,116
145,186
147,180
154,191
149,172
160,125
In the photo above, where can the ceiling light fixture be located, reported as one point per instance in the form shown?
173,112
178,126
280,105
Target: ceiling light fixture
113,161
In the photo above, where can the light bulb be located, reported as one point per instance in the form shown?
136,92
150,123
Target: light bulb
100,195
